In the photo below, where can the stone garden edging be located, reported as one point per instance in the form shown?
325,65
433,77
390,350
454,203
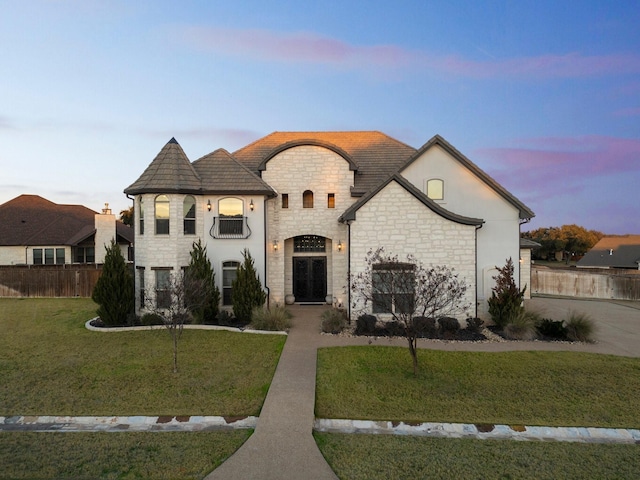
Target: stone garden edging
90,327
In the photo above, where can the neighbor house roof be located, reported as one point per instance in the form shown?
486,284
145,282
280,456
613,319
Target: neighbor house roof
30,220
528,243
350,213
373,155
525,212
613,252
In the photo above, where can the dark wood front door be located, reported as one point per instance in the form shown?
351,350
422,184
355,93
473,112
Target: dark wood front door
310,279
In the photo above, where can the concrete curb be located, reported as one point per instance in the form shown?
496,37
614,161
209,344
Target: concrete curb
45,423
90,327
480,431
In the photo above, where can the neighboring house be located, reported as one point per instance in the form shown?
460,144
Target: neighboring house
613,252
310,205
35,231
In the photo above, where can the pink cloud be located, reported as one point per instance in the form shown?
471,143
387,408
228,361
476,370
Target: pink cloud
305,47
627,112
560,166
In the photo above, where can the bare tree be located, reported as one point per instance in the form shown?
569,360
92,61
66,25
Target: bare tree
176,296
408,293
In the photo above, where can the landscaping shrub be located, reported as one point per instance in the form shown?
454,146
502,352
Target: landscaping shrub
580,327
365,324
201,292
522,327
474,325
151,319
506,300
275,318
425,326
449,326
552,329
394,329
247,293
334,320
225,318
114,291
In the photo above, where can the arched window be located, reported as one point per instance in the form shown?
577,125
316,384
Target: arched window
189,212
141,214
229,273
162,215
435,189
231,212
307,199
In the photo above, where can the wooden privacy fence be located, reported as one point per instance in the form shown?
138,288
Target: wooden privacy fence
48,280
579,283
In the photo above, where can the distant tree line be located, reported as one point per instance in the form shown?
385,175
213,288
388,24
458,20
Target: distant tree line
572,241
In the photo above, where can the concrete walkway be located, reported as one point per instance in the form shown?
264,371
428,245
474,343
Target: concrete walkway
282,445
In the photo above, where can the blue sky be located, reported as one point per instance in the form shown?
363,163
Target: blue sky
544,96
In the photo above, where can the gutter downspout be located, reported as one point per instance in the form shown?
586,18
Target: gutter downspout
476,269
264,243
349,271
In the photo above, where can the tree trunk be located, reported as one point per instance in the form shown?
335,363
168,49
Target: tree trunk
175,352
414,354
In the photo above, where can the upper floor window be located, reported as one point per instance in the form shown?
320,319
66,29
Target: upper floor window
141,215
162,215
307,199
285,200
230,211
189,211
331,200
435,189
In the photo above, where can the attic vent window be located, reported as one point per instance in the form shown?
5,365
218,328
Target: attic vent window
435,189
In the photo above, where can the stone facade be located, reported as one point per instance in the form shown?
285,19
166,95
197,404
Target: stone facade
396,220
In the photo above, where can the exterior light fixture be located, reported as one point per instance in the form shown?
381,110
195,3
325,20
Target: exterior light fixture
339,245
251,205
275,245
208,205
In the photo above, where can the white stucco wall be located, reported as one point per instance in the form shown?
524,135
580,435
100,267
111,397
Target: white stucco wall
292,172
396,220
465,194
15,255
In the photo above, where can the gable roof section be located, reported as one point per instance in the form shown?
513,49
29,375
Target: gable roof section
373,154
613,252
525,212
170,172
30,220
220,173
350,213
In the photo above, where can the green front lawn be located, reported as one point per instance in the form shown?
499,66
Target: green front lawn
52,365
166,455
530,388
372,457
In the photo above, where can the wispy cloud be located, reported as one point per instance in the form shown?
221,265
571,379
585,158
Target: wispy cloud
562,165
230,138
312,48
627,112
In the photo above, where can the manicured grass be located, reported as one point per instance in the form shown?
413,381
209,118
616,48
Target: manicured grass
385,457
531,388
52,365
74,455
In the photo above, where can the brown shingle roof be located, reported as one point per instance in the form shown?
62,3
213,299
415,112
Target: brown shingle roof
613,252
170,171
33,220
222,174
374,154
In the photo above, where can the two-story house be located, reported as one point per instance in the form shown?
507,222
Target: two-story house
310,205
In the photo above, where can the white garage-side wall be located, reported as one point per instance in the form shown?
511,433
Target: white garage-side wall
466,194
291,172
399,222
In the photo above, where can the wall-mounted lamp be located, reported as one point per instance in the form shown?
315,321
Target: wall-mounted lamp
251,205
339,245
208,205
275,245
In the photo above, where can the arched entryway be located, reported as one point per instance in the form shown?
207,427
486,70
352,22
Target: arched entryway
309,264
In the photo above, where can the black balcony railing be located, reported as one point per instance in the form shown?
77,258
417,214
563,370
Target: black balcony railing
230,227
